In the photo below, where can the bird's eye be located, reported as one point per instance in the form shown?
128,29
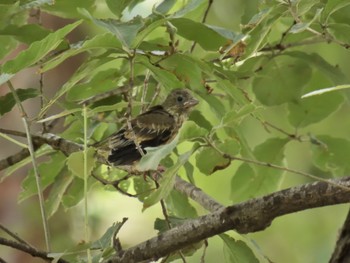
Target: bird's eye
179,99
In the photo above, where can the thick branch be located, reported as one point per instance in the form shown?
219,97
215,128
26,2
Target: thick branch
250,216
341,252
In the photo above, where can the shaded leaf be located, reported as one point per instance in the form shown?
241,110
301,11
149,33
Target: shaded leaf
331,7
48,172
237,251
339,32
54,199
276,83
7,102
332,155
252,180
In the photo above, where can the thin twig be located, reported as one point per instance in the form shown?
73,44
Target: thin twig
129,108
270,165
205,245
144,91
86,177
28,249
155,95
13,235
210,2
35,167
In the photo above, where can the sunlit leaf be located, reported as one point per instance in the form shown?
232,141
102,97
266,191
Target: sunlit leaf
166,182
154,155
325,90
75,162
38,49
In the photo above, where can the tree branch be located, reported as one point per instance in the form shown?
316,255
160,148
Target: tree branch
196,194
341,252
28,249
250,216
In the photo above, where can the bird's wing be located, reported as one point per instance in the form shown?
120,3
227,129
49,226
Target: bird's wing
151,128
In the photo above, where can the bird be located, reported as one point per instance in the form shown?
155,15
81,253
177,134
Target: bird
157,126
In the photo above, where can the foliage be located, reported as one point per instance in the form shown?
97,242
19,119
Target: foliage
250,81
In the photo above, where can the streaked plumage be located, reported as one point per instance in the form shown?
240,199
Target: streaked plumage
157,126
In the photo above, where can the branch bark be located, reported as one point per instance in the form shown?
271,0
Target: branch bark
341,252
250,216
28,249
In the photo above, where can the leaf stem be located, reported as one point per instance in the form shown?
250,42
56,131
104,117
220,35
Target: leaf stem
86,214
35,167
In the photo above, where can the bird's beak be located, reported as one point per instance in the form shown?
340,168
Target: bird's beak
190,103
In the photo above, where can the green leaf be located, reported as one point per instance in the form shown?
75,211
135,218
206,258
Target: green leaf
60,115
303,112
167,181
7,102
101,41
252,180
165,6
154,155
178,204
75,193
185,68
117,7
237,251
314,109
189,7
75,162
209,160
190,131
106,240
333,73
332,154
38,50
48,172
69,9
339,32
167,79
100,82
45,149
124,31
277,82
206,37
235,116
60,186
331,7
26,33
8,44
299,27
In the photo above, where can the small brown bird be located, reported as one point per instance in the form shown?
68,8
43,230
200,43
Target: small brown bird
157,126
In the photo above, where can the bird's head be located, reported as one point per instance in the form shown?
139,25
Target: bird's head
179,101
